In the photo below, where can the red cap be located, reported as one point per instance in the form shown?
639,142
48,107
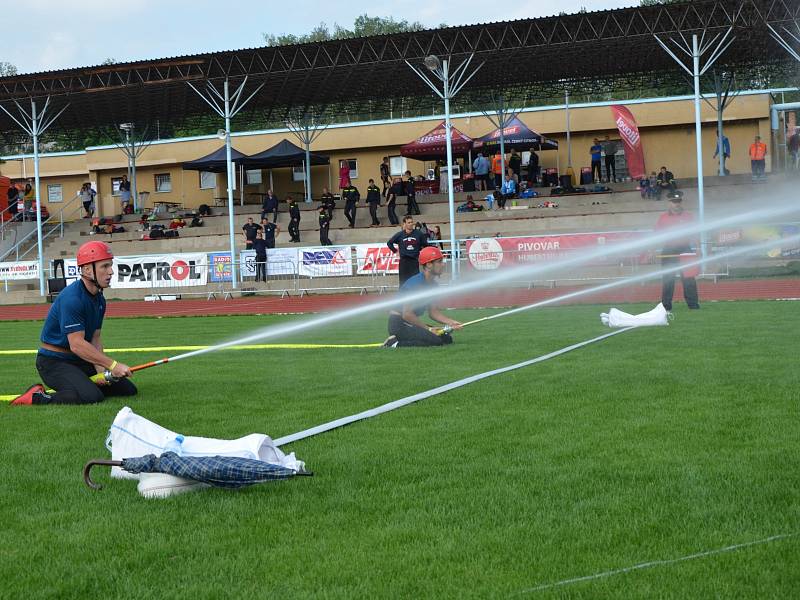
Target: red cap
92,252
430,254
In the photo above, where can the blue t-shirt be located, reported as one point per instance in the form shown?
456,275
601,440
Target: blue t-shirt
415,285
596,151
74,309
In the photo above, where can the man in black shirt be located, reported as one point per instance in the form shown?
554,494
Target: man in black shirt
270,205
515,164
249,230
294,220
351,196
385,175
391,199
533,168
271,231
260,246
408,242
374,200
411,195
328,202
324,226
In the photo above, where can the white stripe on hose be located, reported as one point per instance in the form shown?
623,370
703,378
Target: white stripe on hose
373,412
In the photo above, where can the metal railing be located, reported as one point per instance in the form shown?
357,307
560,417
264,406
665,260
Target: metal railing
54,223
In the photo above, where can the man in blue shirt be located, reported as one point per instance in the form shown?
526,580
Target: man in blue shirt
405,326
597,153
71,349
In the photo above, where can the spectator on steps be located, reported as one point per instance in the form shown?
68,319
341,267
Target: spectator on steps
498,166
533,168
508,191
13,198
124,194
328,202
271,231
391,200
87,195
27,203
665,181
324,226
374,201
385,176
249,231
270,205
177,223
758,155
294,220
480,167
412,208
515,164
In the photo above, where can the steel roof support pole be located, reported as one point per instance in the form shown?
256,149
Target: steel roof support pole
227,105
133,148
307,130
695,51
500,117
34,123
452,83
787,39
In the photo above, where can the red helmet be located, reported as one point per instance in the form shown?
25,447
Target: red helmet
430,254
92,252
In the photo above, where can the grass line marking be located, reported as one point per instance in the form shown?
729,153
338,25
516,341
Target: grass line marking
384,408
190,348
655,563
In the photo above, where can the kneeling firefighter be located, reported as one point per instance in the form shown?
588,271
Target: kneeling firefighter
71,359
405,326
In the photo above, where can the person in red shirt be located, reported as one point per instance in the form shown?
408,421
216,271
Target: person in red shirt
677,217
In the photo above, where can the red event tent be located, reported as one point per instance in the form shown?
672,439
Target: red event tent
432,145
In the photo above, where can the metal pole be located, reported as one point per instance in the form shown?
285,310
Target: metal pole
229,171
307,141
39,245
454,251
569,141
698,134
502,139
134,189
241,185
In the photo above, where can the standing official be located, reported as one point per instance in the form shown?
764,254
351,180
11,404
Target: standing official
671,254
260,246
373,200
328,202
271,230
385,175
249,231
351,196
408,242
324,227
71,349
294,220
411,195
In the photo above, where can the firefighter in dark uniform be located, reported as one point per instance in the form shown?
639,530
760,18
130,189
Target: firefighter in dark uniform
294,220
408,242
374,201
328,202
324,226
385,175
411,196
351,196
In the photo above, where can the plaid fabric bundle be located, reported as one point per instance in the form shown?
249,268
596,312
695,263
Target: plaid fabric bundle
219,471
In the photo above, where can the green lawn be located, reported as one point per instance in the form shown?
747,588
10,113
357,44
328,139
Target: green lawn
652,445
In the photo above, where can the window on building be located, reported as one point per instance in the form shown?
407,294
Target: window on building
397,165
115,181
163,182
253,176
353,164
55,192
298,173
208,180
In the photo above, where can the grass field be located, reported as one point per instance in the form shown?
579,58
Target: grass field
653,445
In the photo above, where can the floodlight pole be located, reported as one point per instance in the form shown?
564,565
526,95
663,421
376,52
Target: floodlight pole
34,123
718,44
306,130
452,83
227,105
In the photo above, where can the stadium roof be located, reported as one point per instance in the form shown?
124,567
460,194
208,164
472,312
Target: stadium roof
585,52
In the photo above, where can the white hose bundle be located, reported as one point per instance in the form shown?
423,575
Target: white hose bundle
617,318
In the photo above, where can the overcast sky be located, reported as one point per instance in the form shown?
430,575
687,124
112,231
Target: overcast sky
54,34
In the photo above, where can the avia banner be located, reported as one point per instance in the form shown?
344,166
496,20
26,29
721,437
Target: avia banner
486,254
160,270
326,261
17,271
629,132
376,258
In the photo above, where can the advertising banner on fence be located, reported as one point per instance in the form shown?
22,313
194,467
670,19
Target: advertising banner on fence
376,258
757,234
219,267
326,261
160,270
492,253
17,271
280,261
629,132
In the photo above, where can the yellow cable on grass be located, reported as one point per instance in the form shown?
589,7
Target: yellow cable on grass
190,348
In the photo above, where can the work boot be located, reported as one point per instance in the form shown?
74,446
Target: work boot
28,396
391,342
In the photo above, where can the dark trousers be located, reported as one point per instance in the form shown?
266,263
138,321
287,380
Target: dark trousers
498,180
294,230
261,267
408,334
596,173
501,199
758,166
611,168
668,284
373,212
324,240
411,205
386,185
408,267
72,385
265,213
350,212
390,206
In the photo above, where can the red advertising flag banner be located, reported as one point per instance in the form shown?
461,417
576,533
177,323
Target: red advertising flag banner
629,132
